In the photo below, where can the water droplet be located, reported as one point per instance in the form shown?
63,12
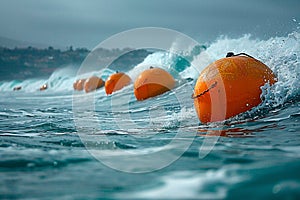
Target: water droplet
247,104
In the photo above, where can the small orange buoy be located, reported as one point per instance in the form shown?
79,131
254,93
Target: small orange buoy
116,82
153,82
93,83
43,87
230,86
78,85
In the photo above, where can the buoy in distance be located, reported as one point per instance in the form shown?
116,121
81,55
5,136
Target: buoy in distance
153,82
78,85
17,88
230,86
93,83
44,87
116,82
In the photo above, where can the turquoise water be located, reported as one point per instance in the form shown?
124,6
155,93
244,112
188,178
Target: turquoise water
46,154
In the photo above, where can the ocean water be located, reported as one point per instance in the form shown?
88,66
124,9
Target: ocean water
50,148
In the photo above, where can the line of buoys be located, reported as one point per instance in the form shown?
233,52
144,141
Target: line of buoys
150,83
153,82
93,83
230,86
116,82
225,88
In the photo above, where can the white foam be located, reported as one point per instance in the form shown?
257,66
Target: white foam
210,184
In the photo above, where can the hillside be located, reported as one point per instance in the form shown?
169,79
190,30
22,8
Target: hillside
30,62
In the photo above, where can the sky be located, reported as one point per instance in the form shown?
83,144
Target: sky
85,23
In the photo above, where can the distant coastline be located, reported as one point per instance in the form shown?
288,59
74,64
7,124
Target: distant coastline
30,62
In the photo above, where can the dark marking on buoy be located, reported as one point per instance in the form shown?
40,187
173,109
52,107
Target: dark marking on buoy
231,54
205,91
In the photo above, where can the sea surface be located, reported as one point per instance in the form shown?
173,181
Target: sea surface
52,147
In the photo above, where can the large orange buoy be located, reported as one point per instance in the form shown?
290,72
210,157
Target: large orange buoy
153,82
93,83
230,86
116,82
78,84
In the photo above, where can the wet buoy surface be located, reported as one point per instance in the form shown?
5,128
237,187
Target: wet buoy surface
230,86
79,84
116,82
153,82
93,83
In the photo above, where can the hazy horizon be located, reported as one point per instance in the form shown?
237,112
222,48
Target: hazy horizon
62,23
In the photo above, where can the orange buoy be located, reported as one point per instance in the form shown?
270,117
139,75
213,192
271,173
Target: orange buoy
74,85
153,82
230,86
78,84
44,87
116,82
93,83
